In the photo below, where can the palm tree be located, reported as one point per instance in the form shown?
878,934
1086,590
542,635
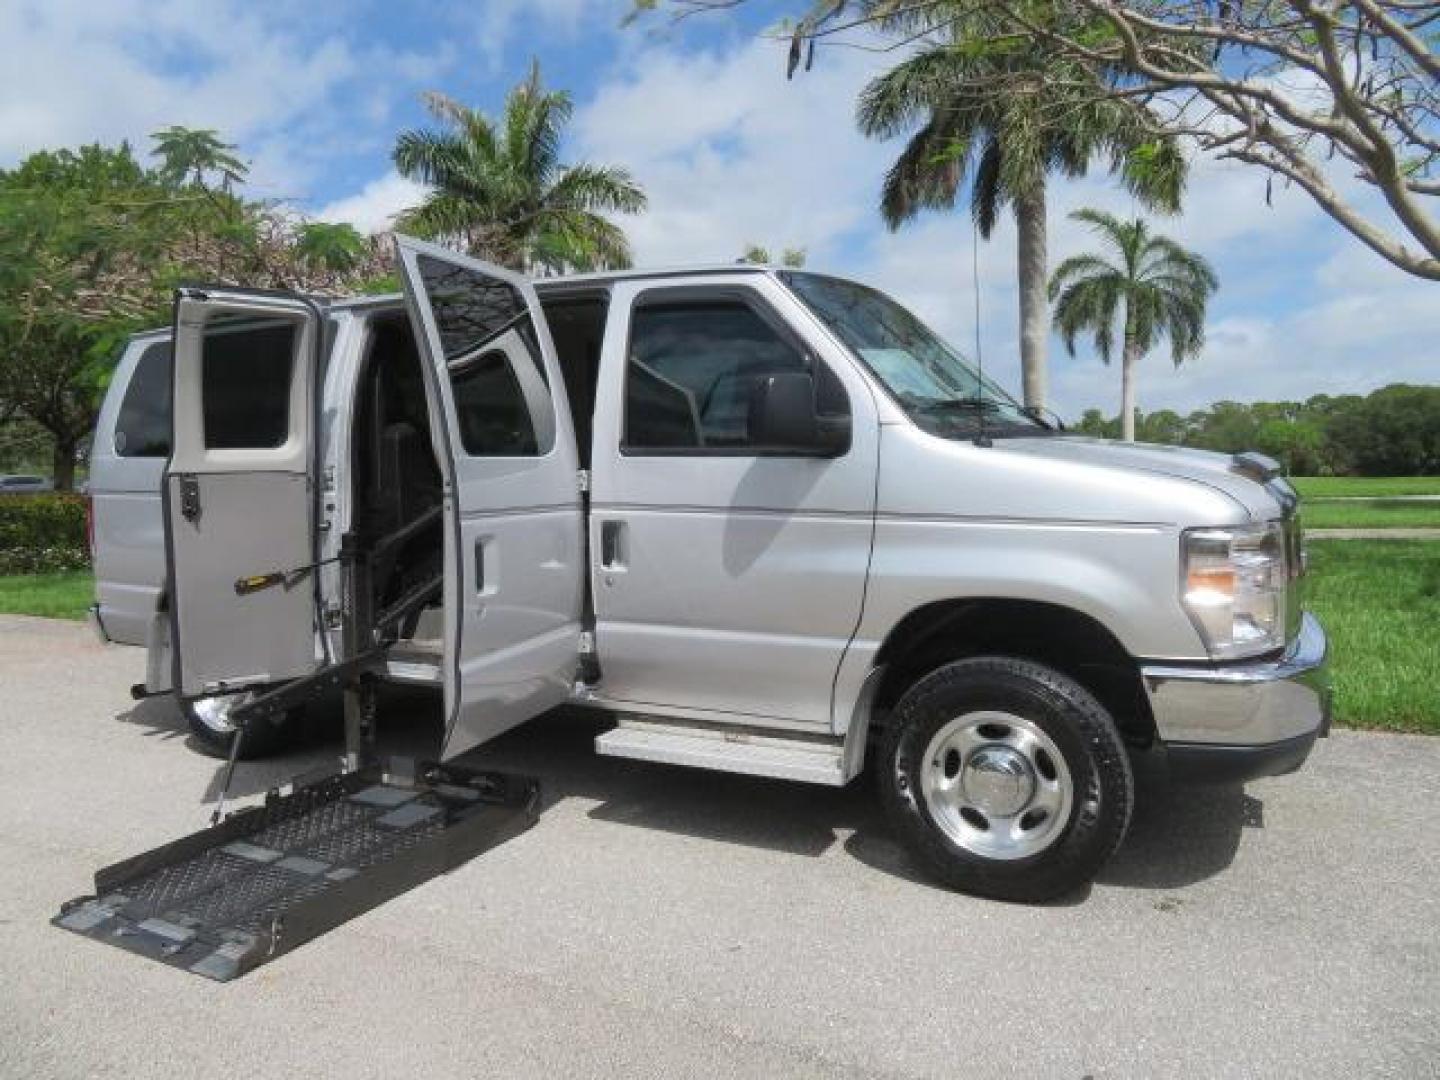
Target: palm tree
1163,288
500,191
1000,119
189,154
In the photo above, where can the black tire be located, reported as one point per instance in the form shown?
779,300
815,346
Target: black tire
1102,787
264,738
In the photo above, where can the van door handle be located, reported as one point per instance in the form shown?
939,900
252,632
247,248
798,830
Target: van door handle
480,565
612,545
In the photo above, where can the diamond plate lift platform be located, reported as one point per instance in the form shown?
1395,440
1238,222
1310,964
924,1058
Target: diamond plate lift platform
268,878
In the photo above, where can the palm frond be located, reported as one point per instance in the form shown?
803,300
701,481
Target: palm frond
597,188
575,240
987,194
908,93
1088,305
926,176
1078,268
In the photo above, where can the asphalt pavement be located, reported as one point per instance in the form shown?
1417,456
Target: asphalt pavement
665,922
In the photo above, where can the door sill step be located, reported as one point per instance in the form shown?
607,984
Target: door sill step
412,672
810,760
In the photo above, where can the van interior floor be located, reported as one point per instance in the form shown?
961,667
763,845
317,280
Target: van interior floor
268,878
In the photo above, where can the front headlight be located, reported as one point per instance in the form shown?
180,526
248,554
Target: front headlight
1233,586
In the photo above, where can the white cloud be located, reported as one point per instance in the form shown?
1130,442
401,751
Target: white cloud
501,28
282,86
729,152
374,207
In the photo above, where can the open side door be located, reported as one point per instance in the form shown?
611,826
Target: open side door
239,489
514,529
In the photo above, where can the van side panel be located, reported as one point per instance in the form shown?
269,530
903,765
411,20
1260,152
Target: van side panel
129,530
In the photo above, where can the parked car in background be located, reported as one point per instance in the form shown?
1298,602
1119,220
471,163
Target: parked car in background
23,484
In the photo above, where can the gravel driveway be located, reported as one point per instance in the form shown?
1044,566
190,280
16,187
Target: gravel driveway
663,922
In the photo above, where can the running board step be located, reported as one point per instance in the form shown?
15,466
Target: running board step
268,878
813,759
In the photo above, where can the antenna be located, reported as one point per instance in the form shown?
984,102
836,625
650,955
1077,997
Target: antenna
981,439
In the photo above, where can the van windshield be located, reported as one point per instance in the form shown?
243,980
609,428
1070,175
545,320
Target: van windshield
933,383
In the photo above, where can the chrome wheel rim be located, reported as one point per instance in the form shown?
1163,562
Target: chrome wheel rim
997,785
214,712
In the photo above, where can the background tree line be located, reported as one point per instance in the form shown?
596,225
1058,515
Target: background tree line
94,240
1394,431
92,243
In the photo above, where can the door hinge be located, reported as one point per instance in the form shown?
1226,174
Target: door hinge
189,496
583,479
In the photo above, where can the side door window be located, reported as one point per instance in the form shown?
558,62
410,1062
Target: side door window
498,387
246,369
495,414
692,368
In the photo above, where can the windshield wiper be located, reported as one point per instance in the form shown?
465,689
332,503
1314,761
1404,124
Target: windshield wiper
946,405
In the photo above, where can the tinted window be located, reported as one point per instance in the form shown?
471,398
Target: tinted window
469,308
143,426
245,373
692,370
494,420
485,331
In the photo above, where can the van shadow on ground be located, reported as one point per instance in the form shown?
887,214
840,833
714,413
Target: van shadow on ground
1179,836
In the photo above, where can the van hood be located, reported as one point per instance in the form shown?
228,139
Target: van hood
1250,479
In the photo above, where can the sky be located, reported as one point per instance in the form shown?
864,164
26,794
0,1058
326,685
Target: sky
729,152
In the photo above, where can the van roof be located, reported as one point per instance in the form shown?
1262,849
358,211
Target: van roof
551,285
577,282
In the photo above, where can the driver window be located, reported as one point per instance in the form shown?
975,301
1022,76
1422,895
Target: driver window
691,369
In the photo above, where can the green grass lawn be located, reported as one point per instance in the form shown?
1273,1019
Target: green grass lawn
1371,514
1380,603
58,596
1321,487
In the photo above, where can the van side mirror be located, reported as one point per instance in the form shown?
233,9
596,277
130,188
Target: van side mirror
784,418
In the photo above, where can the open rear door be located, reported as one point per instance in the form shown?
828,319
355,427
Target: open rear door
514,541
239,489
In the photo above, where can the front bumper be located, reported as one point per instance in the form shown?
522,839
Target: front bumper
1234,722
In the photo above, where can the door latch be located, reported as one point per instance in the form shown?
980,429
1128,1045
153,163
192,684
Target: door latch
190,497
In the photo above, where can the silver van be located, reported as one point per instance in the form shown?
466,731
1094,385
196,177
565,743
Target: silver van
764,517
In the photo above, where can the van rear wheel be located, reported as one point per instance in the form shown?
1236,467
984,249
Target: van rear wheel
1006,778
209,720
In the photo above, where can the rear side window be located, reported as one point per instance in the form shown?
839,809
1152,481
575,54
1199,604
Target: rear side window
494,420
143,427
497,380
245,376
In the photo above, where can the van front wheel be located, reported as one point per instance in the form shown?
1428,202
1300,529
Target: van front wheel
1006,779
209,720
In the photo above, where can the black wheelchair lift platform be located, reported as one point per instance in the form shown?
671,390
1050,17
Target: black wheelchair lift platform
315,854
269,878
